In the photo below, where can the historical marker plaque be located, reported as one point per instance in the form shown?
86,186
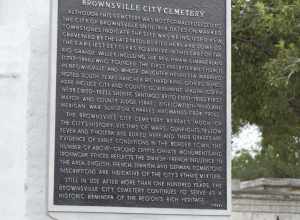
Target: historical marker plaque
139,106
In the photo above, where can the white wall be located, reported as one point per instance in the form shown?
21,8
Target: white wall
14,64
36,175
23,102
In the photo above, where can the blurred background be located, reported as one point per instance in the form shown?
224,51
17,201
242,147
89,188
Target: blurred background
266,88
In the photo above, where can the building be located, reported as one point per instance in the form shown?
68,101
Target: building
266,199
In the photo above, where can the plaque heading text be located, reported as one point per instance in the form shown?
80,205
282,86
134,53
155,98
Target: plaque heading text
145,8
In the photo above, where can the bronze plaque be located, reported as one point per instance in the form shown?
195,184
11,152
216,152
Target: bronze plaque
141,104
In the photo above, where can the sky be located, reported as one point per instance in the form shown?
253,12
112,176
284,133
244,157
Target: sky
248,138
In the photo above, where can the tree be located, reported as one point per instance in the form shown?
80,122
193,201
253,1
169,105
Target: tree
266,84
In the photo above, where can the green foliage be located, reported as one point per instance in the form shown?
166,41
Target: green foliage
266,84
